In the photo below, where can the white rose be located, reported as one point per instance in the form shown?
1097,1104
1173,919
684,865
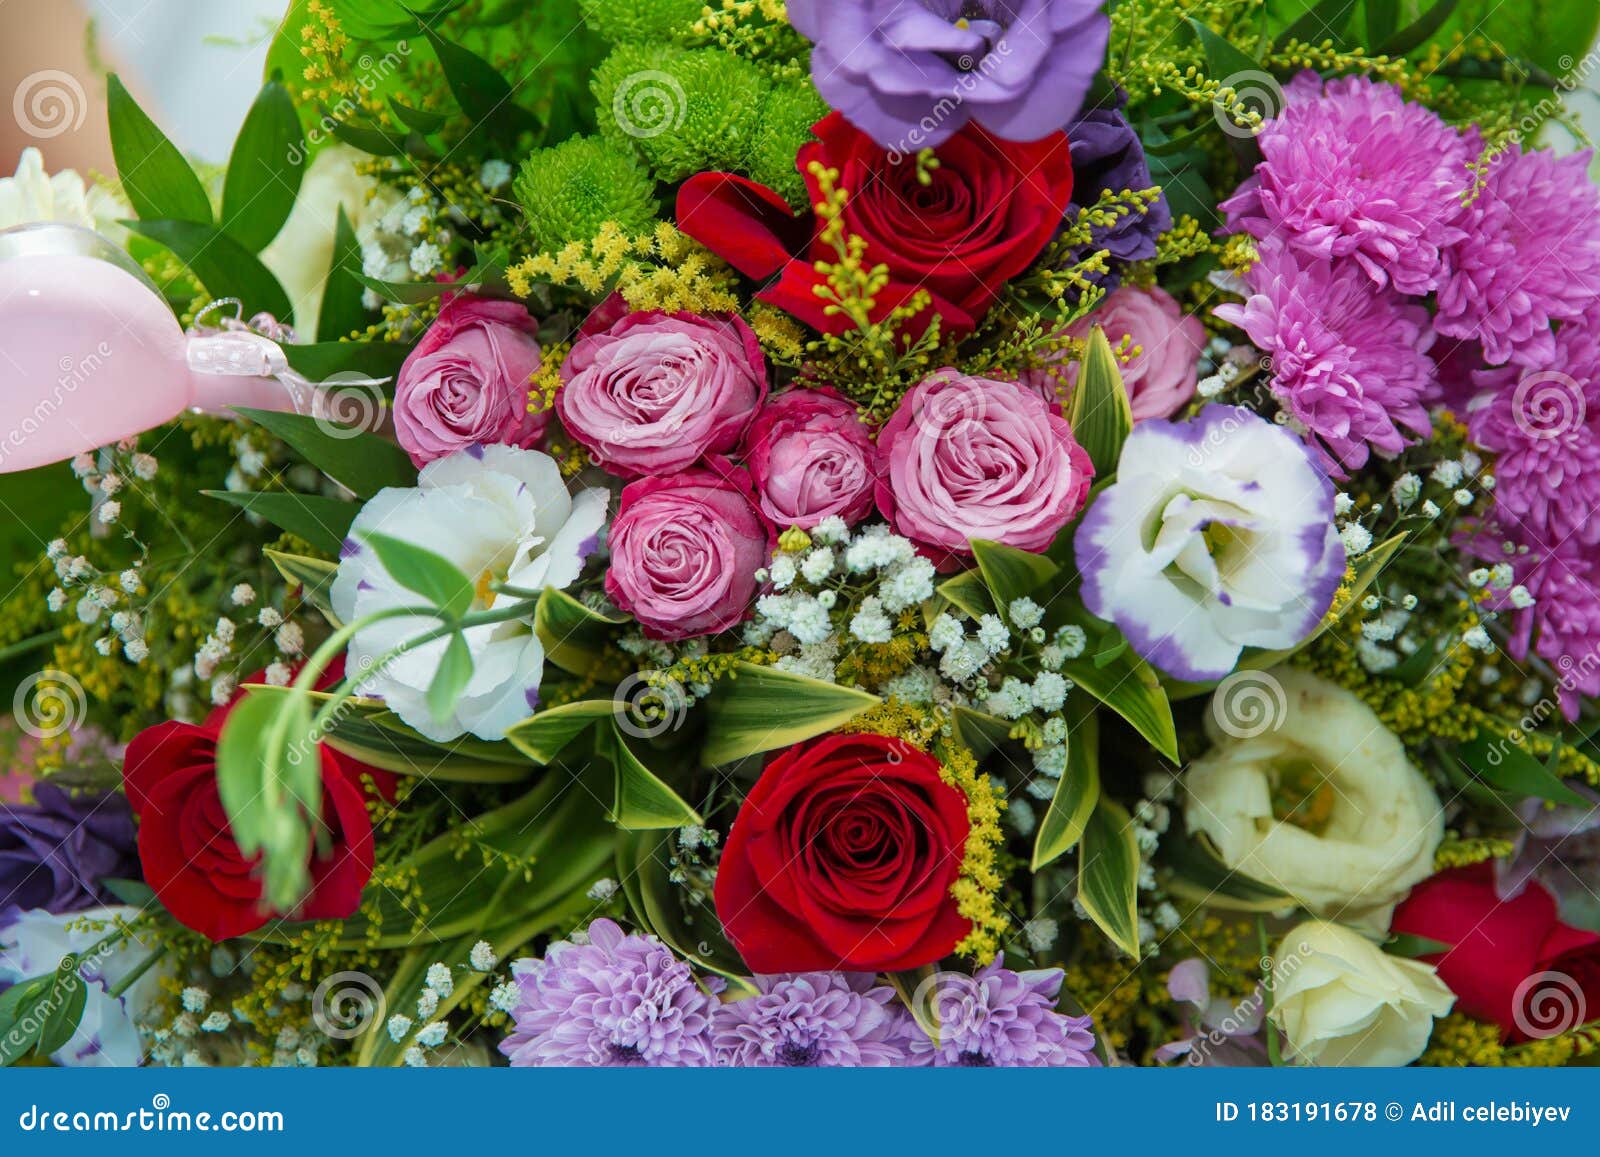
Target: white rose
1341,1000
301,253
34,195
1305,790
499,514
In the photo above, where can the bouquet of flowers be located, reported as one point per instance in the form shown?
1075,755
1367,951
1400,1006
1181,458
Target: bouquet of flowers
1050,532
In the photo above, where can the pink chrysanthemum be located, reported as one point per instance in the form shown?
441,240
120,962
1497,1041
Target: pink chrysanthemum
1355,171
1349,361
1543,426
1562,626
1530,256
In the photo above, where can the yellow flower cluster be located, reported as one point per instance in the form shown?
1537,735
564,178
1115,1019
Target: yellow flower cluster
1459,853
546,379
661,270
1459,1041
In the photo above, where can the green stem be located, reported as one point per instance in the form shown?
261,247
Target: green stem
143,967
29,644
1274,1052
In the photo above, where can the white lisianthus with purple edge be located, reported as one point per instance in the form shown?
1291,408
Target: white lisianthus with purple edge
500,514
1217,534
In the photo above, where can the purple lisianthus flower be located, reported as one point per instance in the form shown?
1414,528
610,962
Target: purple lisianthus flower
1108,157
813,1019
1003,1019
612,1000
1530,255
1217,534
1356,172
910,73
1349,361
1218,1033
55,852
1560,848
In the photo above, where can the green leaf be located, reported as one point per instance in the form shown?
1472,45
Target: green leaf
969,593
1410,946
1501,761
1199,873
1100,412
224,267
979,732
1108,874
478,87
450,679
1325,20
1127,684
640,800
314,578
19,1019
548,733
157,180
1223,60
1009,573
1419,31
363,463
755,709
69,995
271,794
1383,18
438,580
323,522
264,170
1077,792
574,636
692,931
342,312
321,360
418,120
369,139
383,740
135,893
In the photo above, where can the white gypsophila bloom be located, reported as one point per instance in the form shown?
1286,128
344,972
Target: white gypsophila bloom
242,595
945,633
496,513
1406,490
1447,474
399,1026
908,585
870,624
992,634
783,572
1049,692
129,581
1026,613
1342,503
1072,640
425,259
1357,539
482,957
1317,799
277,675
494,174
1348,1003
818,565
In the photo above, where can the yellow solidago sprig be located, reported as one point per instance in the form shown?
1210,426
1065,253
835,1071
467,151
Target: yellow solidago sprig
660,270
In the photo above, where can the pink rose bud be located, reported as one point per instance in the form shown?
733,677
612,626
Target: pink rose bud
467,381
685,549
811,458
656,392
1162,376
978,458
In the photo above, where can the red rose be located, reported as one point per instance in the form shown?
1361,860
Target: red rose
1500,948
842,857
189,855
986,211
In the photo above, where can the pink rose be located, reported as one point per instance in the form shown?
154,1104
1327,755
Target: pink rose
656,392
466,383
1161,377
978,458
811,458
685,550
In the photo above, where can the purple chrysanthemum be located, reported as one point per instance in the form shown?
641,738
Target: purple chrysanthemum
1542,428
1004,1019
613,1000
1563,624
909,73
822,1019
1530,256
56,851
1349,361
1355,171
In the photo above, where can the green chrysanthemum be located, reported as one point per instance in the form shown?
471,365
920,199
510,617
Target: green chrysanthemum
791,109
570,190
684,110
642,21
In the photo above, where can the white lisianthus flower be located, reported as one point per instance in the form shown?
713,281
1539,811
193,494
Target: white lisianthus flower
1341,1000
34,195
300,255
1307,791
1216,535
500,514
34,942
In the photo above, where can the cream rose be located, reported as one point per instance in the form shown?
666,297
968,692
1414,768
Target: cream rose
1307,791
1341,1000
